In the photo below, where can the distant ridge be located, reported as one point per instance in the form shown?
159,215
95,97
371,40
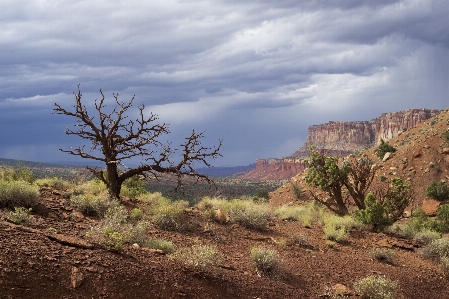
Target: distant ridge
225,171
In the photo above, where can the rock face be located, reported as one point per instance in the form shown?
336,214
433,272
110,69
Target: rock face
348,137
341,139
276,169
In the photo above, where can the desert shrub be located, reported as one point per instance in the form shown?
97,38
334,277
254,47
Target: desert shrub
19,173
18,194
198,257
94,205
436,249
375,287
136,214
426,236
165,246
19,215
438,191
383,178
383,149
297,191
261,195
374,214
92,187
383,255
290,213
133,187
443,217
267,261
396,199
249,214
403,231
54,182
153,199
445,137
114,232
169,217
336,228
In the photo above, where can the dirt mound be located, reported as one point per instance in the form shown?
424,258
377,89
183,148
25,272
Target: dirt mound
421,155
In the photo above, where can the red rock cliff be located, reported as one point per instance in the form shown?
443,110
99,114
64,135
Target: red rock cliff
341,139
348,137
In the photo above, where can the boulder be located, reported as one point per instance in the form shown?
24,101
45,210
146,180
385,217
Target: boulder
386,156
76,278
430,206
220,216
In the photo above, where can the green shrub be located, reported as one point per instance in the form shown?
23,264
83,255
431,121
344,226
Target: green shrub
261,195
165,246
92,187
437,249
267,261
136,214
336,228
438,191
169,217
426,236
384,255
383,149
54,182
397,198
445,137
153,199
297,191
373,214
19,215
375,287
403,231
94,205
443,217
18,194
134,187
198,257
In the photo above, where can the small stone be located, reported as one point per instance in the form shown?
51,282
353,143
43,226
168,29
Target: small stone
76,278
220,216
135,246
386,156
445,151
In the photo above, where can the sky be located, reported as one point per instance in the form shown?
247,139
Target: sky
255,74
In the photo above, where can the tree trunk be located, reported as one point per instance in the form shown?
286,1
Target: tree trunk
114,183
342,209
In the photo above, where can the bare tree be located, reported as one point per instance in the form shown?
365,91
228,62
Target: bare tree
114,138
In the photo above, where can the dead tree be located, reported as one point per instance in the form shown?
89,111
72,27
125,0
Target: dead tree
114,138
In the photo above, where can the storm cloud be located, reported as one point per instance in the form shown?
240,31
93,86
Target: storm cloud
253,73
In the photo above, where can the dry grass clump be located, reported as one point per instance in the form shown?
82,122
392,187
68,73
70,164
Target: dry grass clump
375,287
267,261
198,257
242,211
384,255
19,215
426,236
337,228
18,194
114,232
165,246
94,205
170,216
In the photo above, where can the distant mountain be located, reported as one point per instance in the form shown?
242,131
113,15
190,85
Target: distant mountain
225,171
16,163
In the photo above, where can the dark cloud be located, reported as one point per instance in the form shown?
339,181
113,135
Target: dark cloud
254,73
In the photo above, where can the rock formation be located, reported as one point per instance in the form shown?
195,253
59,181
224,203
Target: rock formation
341,139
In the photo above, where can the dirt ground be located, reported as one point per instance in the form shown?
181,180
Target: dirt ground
37,262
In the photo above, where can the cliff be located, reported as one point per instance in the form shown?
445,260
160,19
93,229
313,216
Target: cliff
344,138
341,139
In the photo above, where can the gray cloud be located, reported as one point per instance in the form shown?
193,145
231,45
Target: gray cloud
254,73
